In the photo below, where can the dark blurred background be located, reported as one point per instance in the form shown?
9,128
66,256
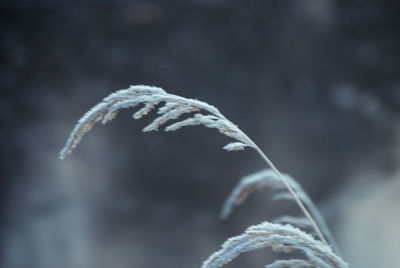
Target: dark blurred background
315,83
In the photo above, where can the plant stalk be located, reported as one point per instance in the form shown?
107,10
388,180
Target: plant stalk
292,192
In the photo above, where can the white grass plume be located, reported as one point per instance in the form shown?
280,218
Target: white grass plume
174,106
299,222
247,185
267,179
293,263
281,238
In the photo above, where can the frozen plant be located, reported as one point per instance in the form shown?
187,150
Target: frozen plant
280,237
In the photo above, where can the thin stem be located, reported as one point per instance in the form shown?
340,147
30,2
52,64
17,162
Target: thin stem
248,141
292,192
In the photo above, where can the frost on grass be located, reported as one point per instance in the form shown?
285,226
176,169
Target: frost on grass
247,185
299,222
293,263
265,179
173,107
280,238
234,146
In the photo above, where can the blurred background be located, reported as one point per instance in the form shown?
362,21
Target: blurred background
316,84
